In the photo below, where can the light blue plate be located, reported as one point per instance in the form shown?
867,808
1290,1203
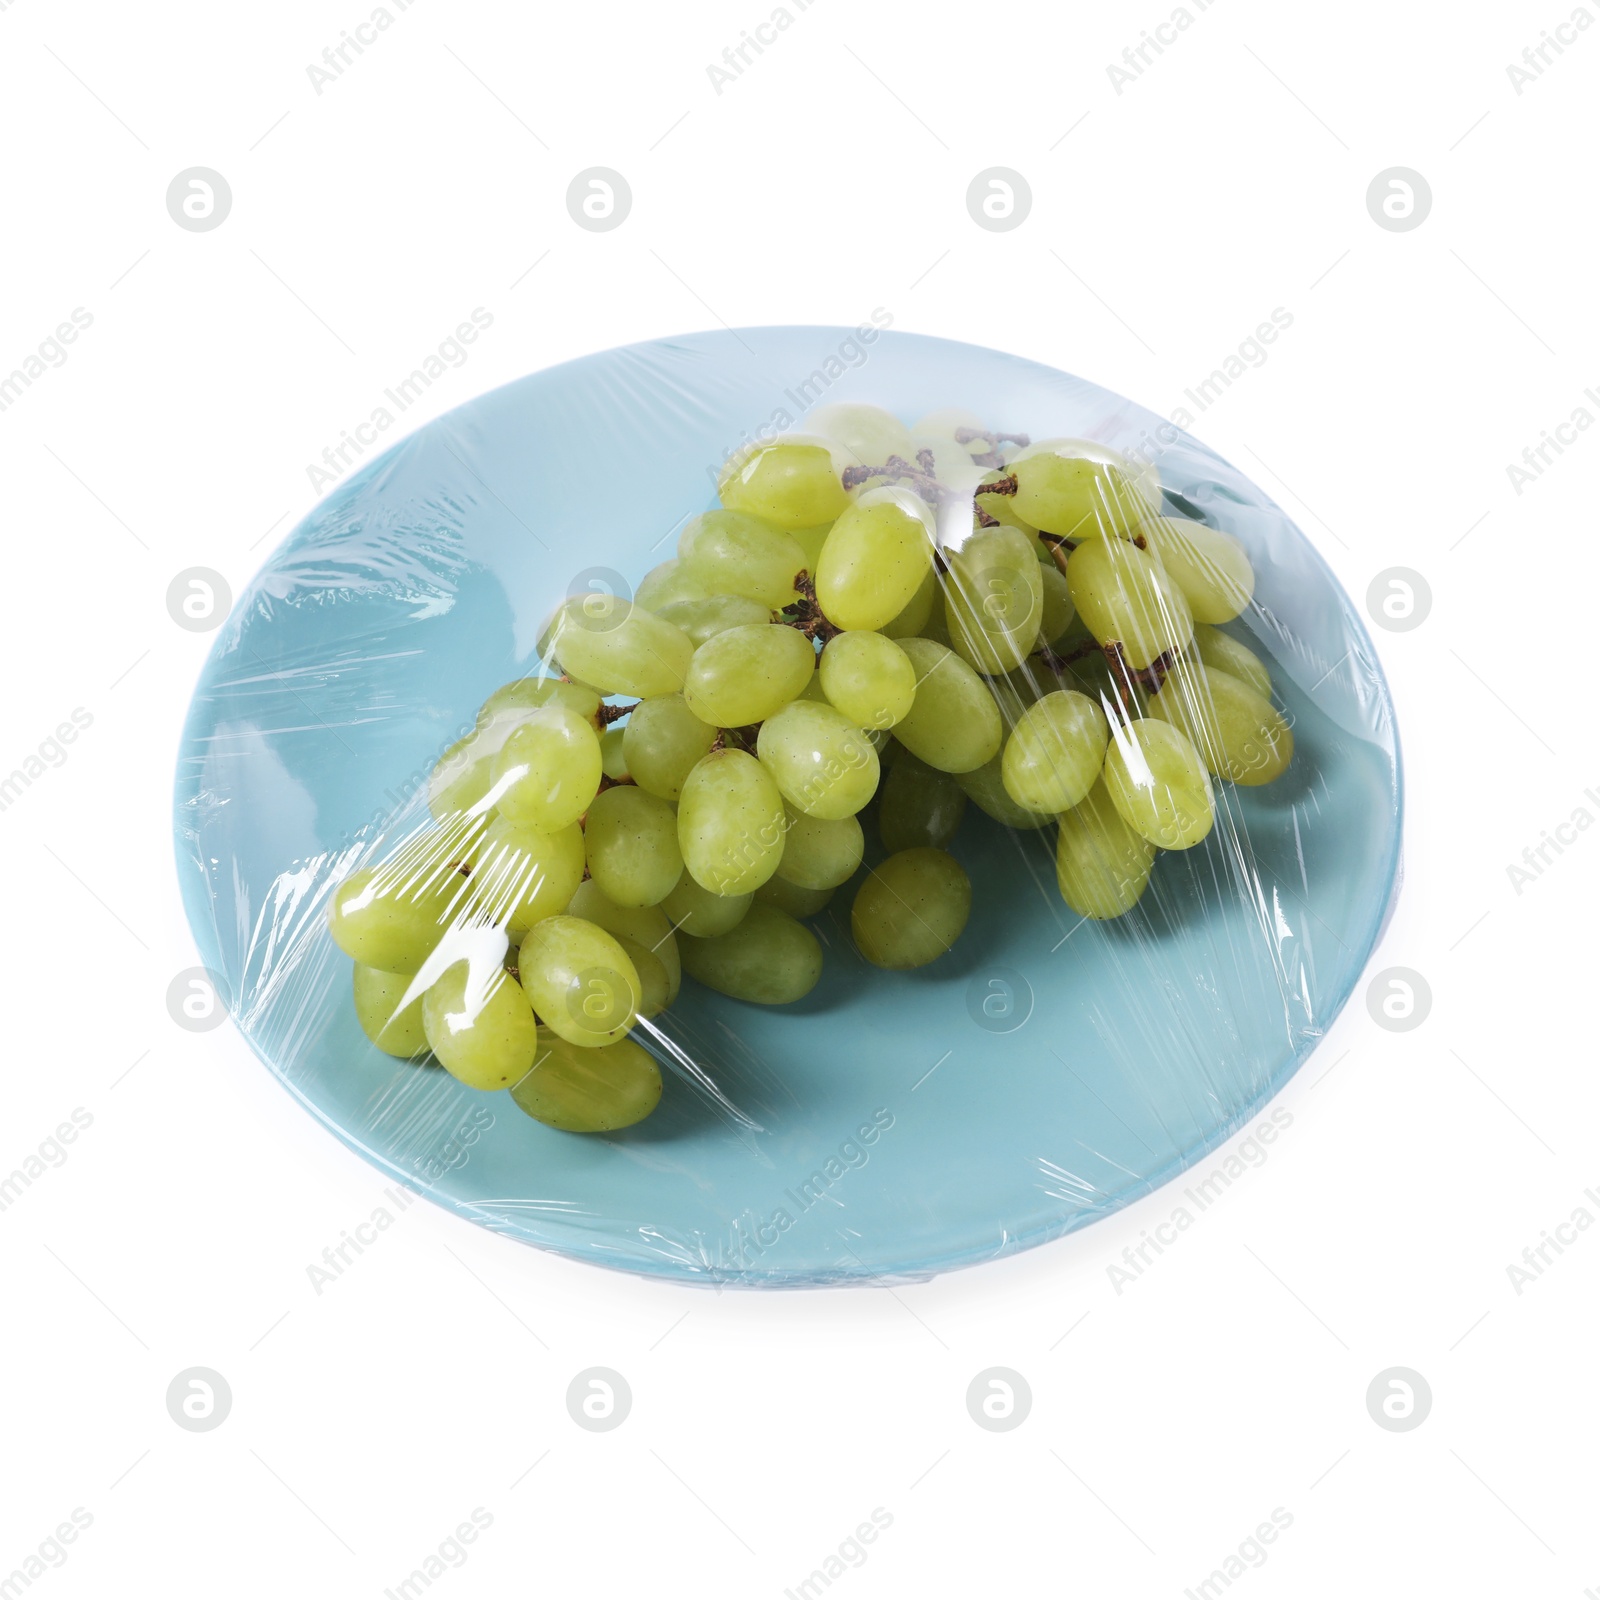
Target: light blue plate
1043,1074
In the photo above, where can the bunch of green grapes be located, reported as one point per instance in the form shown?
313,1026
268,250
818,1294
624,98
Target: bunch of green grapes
917,617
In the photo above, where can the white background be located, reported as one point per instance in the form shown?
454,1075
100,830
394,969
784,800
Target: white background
829,178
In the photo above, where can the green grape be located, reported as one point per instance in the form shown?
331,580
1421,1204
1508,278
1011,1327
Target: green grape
1079,489
549,769
580,980
1055,753
742,555
730,823
1002,508
792,481
913,618
1111,688
632,844
1016,693
1216,649
1056,613
702,912
791,898
911,909
952,462
521,875
985,787
745,674
769,958
875,560
811,541
1240,735
662,740
392,916
704,619
670,583
528,694
613,756
480,1026
620,648
953,723
819,853
1208,566
589,1091
867,677
1156,779
462,776
654,984
946,422
813,691
396,1029
820,760
994,599
934,629
1102,865
649,926
869,435
918,806
1123,596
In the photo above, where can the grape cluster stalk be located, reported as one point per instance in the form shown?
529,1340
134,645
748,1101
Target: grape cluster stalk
680,788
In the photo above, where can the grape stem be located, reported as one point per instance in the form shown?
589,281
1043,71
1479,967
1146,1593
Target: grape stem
607,714
1060,547
1150,678
1003,485
804,613
991,456
737,738
921,477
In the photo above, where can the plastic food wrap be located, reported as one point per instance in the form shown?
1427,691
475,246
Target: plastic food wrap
789,806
